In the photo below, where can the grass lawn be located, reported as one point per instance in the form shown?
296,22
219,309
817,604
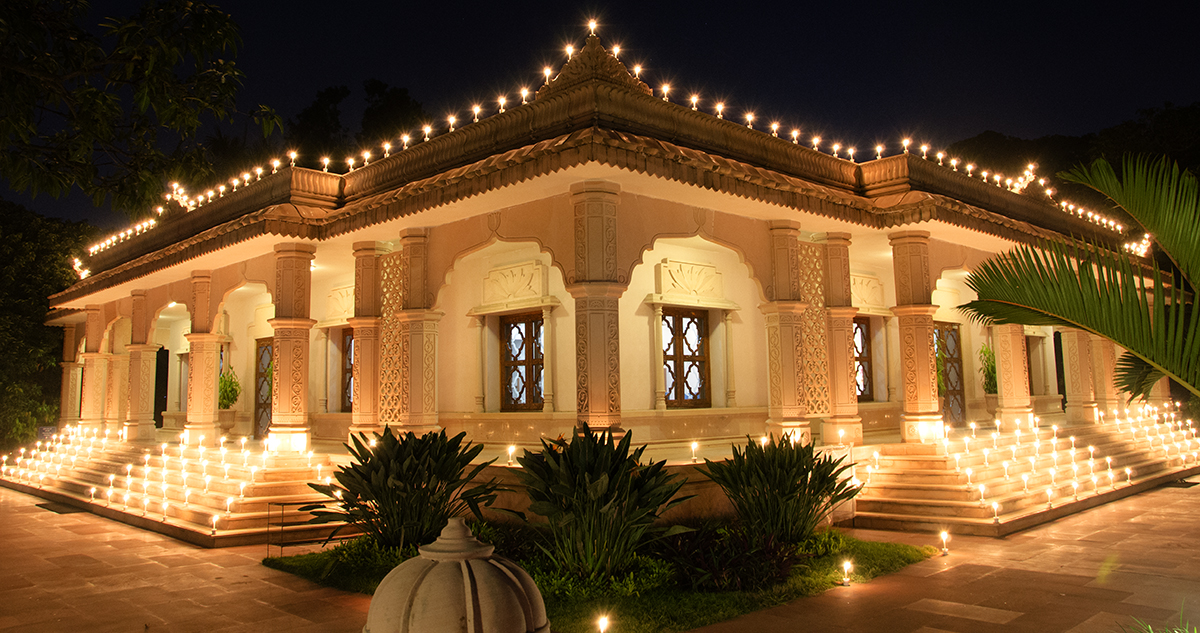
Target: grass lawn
662,610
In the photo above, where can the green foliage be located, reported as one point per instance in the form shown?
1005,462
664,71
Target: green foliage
402,491
34,264
115,108
987,367
1142,627
825,542
599,499
782,490
1146,310
228,389
358,564
645,575
719,557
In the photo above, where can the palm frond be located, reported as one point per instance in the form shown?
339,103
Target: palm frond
1135,376
1097,290
1164,199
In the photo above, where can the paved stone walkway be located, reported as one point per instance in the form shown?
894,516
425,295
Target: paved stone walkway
1138,557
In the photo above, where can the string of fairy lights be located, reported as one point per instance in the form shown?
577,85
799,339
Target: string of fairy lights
190,201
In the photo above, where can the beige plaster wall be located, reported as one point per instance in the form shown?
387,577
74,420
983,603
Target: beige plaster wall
749,327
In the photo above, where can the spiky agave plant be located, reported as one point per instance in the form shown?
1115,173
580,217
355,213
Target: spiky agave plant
1143,308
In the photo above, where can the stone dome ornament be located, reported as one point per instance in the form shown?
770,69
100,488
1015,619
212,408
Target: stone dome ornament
456,585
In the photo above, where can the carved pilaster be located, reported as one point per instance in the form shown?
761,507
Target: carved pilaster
597,355
1077,365
367,324
95,389
68,410
548,351
660,377
116,406
843,386
418,345
787,399
201,309
1104,362
1012,373
596,290
843,389
785,261
479,323
292,325
139,420
365,418
730,384
921,419
414,254
203,363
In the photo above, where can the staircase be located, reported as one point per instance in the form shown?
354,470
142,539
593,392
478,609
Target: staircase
125,481
925,488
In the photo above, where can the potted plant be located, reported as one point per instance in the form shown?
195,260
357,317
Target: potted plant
987,368
229,389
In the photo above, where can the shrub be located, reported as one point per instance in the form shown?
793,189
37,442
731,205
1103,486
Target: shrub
402,491
228,389
719,557
782,490
644,575
987,367
825,542
599,500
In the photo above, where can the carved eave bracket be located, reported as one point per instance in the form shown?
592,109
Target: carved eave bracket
593,63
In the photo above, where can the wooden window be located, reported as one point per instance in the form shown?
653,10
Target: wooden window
685,358
863,368
521,361
347,370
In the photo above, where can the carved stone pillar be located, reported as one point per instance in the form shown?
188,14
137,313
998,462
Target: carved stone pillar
204,354
660,378
95,373
787,400
843,386
730,385
480,323
597,287
139,420
117,397
139,415
1077,365
921,419
289,430
366,323
1104,362
1012,373
68,410
417,336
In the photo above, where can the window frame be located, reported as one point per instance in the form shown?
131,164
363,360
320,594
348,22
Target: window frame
865,359
534,400
677,400
347,373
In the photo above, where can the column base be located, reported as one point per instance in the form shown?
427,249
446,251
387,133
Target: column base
209,430
139,429
1017,415
921,427
852,425
288,439
796,430
1083,413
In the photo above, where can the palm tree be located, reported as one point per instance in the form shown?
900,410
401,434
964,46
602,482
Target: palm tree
1145,309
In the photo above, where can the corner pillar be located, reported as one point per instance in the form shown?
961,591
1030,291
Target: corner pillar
921,418
95,373
68,410
1012,373
366,322
843,383
1077,365
1104,362
204,356
787,402
598,287
289,431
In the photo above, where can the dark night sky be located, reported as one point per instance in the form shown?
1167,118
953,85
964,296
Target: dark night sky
853,72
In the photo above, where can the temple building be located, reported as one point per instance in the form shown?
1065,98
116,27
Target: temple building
594,255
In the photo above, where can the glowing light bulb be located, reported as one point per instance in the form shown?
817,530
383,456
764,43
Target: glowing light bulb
404,145
592,26
666,88
637,72
475,110
524,96
546,71
501,100
906,142
427,130
878,152
750,120
324,167
816,141
292,157
616,52
451,119
695,101
925,152
795,137
387,150
350,162
774,129
366,158
570,51
720,110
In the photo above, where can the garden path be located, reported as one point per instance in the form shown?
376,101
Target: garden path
1091,572
1137,557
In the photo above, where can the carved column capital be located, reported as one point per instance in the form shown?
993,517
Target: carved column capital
910,265
595,210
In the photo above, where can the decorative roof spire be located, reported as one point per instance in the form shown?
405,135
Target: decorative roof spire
592,63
